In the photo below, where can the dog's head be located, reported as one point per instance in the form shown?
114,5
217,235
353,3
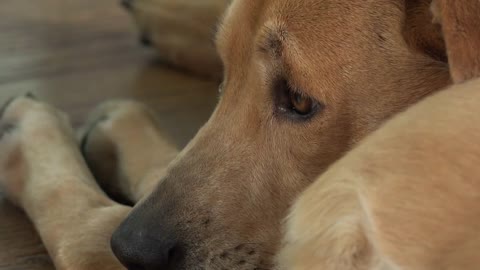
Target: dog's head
304,81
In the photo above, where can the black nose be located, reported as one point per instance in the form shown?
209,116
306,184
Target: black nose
128,4
138,248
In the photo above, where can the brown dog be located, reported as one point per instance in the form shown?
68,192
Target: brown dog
304,82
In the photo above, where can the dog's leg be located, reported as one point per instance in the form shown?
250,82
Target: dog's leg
43,172
182,31
126,150
325,229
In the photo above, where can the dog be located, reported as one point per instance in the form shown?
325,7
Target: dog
304,83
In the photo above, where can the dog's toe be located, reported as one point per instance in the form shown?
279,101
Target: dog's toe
102,114
87,131
5,106
5,109
99,146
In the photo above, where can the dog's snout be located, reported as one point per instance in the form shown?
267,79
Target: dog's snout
136,249
128,4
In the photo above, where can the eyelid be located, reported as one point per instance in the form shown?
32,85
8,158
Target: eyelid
282,88
296,90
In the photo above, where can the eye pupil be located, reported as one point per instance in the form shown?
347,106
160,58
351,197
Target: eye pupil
291,102
301,104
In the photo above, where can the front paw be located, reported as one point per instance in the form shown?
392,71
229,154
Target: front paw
24,121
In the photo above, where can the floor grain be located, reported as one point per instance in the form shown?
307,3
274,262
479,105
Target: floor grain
76,54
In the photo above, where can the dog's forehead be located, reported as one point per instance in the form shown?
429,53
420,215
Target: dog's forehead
271,18
322,35
252,12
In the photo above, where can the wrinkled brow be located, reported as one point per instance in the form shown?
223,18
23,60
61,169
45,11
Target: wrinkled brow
271,40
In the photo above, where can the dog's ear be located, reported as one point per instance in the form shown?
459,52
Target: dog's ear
420,33
460,21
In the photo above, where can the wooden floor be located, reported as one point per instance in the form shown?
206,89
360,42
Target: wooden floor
76,54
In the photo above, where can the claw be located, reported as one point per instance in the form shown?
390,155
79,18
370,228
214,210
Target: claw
5,106
31,96
127,4
86,136
6,128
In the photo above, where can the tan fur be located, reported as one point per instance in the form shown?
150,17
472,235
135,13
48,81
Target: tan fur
461,27
123,142
224,197
407,197
68,209
254,161
182,31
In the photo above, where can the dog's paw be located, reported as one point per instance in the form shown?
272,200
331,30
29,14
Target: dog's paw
102,139
181,31
24,121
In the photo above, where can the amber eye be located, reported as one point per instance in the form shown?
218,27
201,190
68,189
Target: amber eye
301,104
293,103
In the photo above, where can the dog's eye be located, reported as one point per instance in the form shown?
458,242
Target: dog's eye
293,103
301,104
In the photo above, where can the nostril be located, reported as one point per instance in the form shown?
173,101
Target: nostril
127,4
175,255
